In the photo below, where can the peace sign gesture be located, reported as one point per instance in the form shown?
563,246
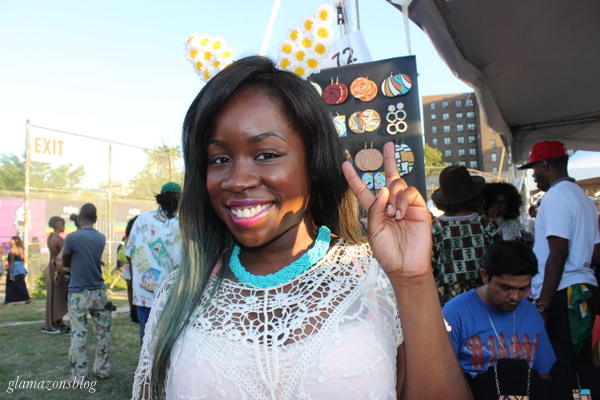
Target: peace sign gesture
399,226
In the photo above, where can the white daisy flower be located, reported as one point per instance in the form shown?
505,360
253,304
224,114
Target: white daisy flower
322,33
294,34
325,13
287,48
300,69
308,24
313,62
284,63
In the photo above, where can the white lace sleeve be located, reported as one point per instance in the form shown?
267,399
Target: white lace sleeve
143,373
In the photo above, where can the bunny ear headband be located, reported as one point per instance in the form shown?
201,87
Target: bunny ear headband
301,52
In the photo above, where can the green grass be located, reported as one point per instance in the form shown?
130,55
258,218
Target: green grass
31,355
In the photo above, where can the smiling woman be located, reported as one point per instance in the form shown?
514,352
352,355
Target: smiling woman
278,284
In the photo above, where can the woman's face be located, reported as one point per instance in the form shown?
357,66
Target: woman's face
257,175
502,205
11,242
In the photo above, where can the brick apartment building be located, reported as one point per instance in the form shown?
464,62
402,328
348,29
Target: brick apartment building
453,124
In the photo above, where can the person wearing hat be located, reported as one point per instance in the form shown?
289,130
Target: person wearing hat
154,250
567,239
461,234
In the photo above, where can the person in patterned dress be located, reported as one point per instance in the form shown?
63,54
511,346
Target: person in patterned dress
461,234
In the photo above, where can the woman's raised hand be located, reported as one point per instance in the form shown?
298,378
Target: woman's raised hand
399,226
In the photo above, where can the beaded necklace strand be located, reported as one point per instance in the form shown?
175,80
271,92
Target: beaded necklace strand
287,273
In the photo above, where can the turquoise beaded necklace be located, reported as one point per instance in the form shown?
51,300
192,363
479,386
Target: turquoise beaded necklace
287,273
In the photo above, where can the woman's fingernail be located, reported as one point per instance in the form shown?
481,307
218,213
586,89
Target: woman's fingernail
390,209
398,215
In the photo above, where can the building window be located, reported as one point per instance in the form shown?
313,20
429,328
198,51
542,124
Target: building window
447,140
460,128
472,152
434,142
471,114
433,117
448,164
434,129
473,164
432,106
494,169
444,104
445,116
461,152
460,140
470,127
493,144
458,103
446,128
448,153
471,139
494,157
462,163
459,115
469,103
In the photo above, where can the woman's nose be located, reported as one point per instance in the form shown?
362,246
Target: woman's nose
241,176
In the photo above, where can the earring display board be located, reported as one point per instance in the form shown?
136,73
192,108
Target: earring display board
371,104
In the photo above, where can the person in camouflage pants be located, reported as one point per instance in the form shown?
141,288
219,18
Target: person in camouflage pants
82,253
80,304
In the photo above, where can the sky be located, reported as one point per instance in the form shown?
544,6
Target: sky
117,70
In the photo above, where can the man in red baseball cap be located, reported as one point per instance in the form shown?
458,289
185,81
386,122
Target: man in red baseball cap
567,238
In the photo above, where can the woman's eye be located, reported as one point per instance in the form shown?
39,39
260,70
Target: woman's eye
219,160
267,155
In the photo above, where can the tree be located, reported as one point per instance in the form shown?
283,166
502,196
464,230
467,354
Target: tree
12,173
433,158
162,167
41,175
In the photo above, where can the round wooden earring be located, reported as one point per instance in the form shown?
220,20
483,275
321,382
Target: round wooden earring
363,89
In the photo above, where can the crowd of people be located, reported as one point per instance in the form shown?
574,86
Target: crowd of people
259,280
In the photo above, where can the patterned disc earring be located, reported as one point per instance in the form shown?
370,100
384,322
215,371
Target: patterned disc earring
335,93
396,85
368,159
364,121
363,89
405,158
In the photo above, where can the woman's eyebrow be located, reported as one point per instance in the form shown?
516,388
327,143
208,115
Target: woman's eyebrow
251,140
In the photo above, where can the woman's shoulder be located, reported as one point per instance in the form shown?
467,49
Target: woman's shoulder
344,249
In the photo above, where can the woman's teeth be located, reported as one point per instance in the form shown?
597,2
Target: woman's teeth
248,212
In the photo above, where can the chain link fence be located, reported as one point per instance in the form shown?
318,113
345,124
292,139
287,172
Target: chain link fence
65,170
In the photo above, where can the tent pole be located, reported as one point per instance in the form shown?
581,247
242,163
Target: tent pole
352,22
270,25
501,163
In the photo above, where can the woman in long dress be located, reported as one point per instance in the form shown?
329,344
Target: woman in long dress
279,295
16,288
56,284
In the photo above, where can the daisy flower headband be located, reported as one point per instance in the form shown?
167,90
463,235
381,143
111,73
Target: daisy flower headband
301,52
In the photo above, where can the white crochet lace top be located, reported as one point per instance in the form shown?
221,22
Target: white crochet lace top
332,333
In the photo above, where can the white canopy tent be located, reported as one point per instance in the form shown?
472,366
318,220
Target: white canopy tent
534,65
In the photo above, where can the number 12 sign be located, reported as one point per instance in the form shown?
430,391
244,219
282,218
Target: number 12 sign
349,49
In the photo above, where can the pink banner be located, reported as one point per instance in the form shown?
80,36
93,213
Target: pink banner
12,219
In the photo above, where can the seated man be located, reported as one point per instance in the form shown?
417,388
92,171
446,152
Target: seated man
493,321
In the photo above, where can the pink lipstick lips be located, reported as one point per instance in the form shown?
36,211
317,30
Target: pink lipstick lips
247,212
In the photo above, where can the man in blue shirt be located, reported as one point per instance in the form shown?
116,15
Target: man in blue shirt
82,253
493,321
